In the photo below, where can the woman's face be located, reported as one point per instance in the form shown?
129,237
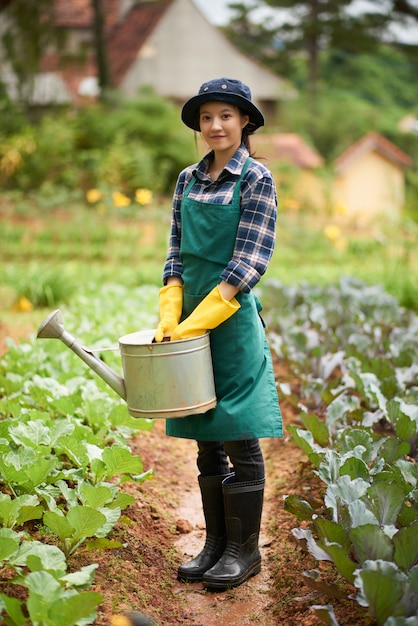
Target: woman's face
221,126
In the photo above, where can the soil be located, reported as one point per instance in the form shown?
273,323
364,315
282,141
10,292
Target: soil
165,526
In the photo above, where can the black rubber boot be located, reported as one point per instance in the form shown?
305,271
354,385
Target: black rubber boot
213,509
241,558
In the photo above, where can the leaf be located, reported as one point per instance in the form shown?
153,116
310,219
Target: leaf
42,584
82,578
32,433
68,611
59,525
51,557
381,586
95,496
102,544
386,500
298,507
361,515
340,557
312,579
393,449
304,439
359,440
332,532
111,516
408,470
119,417
401,621
317,427
339,408
325,614
371,543
345,491
355,468
8,547
122,501
318,553
119,460
405,426
38,472
406,547
85,521
74,450
13,608
11,508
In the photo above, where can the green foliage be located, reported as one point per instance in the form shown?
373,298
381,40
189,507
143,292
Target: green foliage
64,455
122,146
382,78
357,368
334,122
45,287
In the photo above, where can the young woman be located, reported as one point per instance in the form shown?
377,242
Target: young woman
222,239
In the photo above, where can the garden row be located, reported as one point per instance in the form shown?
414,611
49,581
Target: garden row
64,454
354,351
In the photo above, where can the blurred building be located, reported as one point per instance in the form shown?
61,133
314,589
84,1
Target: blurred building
369,179
167,44
295,166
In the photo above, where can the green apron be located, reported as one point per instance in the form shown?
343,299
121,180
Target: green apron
247,404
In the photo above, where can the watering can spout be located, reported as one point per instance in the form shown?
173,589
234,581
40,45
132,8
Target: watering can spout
53,328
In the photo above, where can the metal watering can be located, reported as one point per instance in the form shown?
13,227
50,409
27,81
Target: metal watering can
161,380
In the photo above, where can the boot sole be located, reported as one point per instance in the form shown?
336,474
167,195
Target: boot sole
190,579
249,573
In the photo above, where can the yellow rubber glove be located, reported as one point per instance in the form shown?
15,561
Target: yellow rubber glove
212,311
171,306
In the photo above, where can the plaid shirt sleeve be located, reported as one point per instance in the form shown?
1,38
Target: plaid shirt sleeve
173,265
256,233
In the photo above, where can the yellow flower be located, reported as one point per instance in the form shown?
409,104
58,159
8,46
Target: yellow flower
291,203
332,232
24,305
93,195
340,209
119,199
143,196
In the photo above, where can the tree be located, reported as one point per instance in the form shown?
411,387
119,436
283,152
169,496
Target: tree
100,47
311,26
30,33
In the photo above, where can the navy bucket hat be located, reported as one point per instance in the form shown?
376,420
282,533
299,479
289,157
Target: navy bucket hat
223,90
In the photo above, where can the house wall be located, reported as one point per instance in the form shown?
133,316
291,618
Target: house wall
369,187
185,50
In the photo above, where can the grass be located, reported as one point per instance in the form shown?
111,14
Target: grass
47,254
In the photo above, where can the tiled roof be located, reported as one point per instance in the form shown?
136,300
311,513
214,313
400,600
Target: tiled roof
373,142
125,37
288,147
128,37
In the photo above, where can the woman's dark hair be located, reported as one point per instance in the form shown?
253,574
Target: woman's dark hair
245,138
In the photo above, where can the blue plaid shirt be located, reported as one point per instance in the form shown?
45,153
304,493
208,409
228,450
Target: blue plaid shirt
256,233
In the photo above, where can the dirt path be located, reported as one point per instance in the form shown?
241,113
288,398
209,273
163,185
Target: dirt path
247,604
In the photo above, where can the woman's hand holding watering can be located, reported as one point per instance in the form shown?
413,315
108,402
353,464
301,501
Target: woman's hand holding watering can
171,305
212,311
